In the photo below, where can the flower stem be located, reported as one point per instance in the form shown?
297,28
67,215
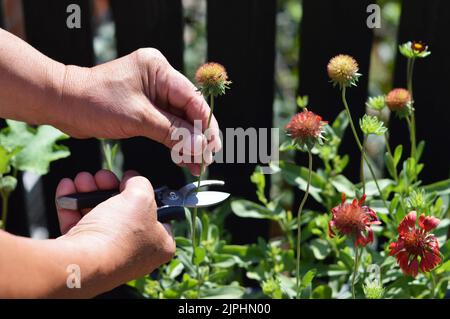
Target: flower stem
299,233
5,199
107,154
194,215
412,119
361,168
358,142
433,285
355,270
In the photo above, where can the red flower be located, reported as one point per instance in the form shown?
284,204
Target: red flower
415,247
305,128
355,220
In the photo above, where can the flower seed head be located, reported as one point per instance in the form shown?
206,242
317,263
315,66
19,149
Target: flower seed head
306,129
343,70
398,100
212,79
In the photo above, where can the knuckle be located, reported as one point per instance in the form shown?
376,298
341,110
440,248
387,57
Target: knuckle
169,139
168,249
150,54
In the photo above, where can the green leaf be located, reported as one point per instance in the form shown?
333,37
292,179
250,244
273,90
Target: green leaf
302,101
16,135
390,164
39,146
259,179
308,278
322,292
247,209
340,124
199,255
225,292
398,154
371,187
445,267
419,150
343,185
7,184
298,176
441,188
320,248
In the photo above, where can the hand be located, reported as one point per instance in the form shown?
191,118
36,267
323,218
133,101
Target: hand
140,94
120,238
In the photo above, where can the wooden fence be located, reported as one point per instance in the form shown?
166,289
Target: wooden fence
241,35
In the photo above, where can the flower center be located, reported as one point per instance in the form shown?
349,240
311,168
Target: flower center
351,219
415,242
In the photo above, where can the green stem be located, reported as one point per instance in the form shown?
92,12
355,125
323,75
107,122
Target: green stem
412,136
361,168
433,285
107,154
412,119
358,142
194,215
299,233
388,148
5,198
355,270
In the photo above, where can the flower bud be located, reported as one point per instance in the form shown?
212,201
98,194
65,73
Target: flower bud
398,100
212,79
343,70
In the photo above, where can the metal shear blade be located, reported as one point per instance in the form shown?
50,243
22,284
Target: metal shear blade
190,195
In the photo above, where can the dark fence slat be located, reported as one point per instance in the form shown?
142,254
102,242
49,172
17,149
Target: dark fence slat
1,15
328,28
427,21
157,24
46,30
241,36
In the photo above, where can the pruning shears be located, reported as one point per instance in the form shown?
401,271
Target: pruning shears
170,202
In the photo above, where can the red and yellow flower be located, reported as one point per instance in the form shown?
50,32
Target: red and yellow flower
416,248
353,219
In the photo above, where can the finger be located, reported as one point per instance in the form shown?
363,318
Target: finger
170,129
168,229
106,180
126,176
67,218
183,94
84,183
138,192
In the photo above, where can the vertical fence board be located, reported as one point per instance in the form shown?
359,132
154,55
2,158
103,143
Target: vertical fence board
1,15
427,21
157,24
328,28
46,30
241,36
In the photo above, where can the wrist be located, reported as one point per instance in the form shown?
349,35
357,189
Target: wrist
69,84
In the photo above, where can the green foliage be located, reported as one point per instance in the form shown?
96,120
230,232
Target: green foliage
25,148
31,149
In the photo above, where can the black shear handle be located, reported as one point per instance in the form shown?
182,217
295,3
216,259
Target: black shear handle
91,199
